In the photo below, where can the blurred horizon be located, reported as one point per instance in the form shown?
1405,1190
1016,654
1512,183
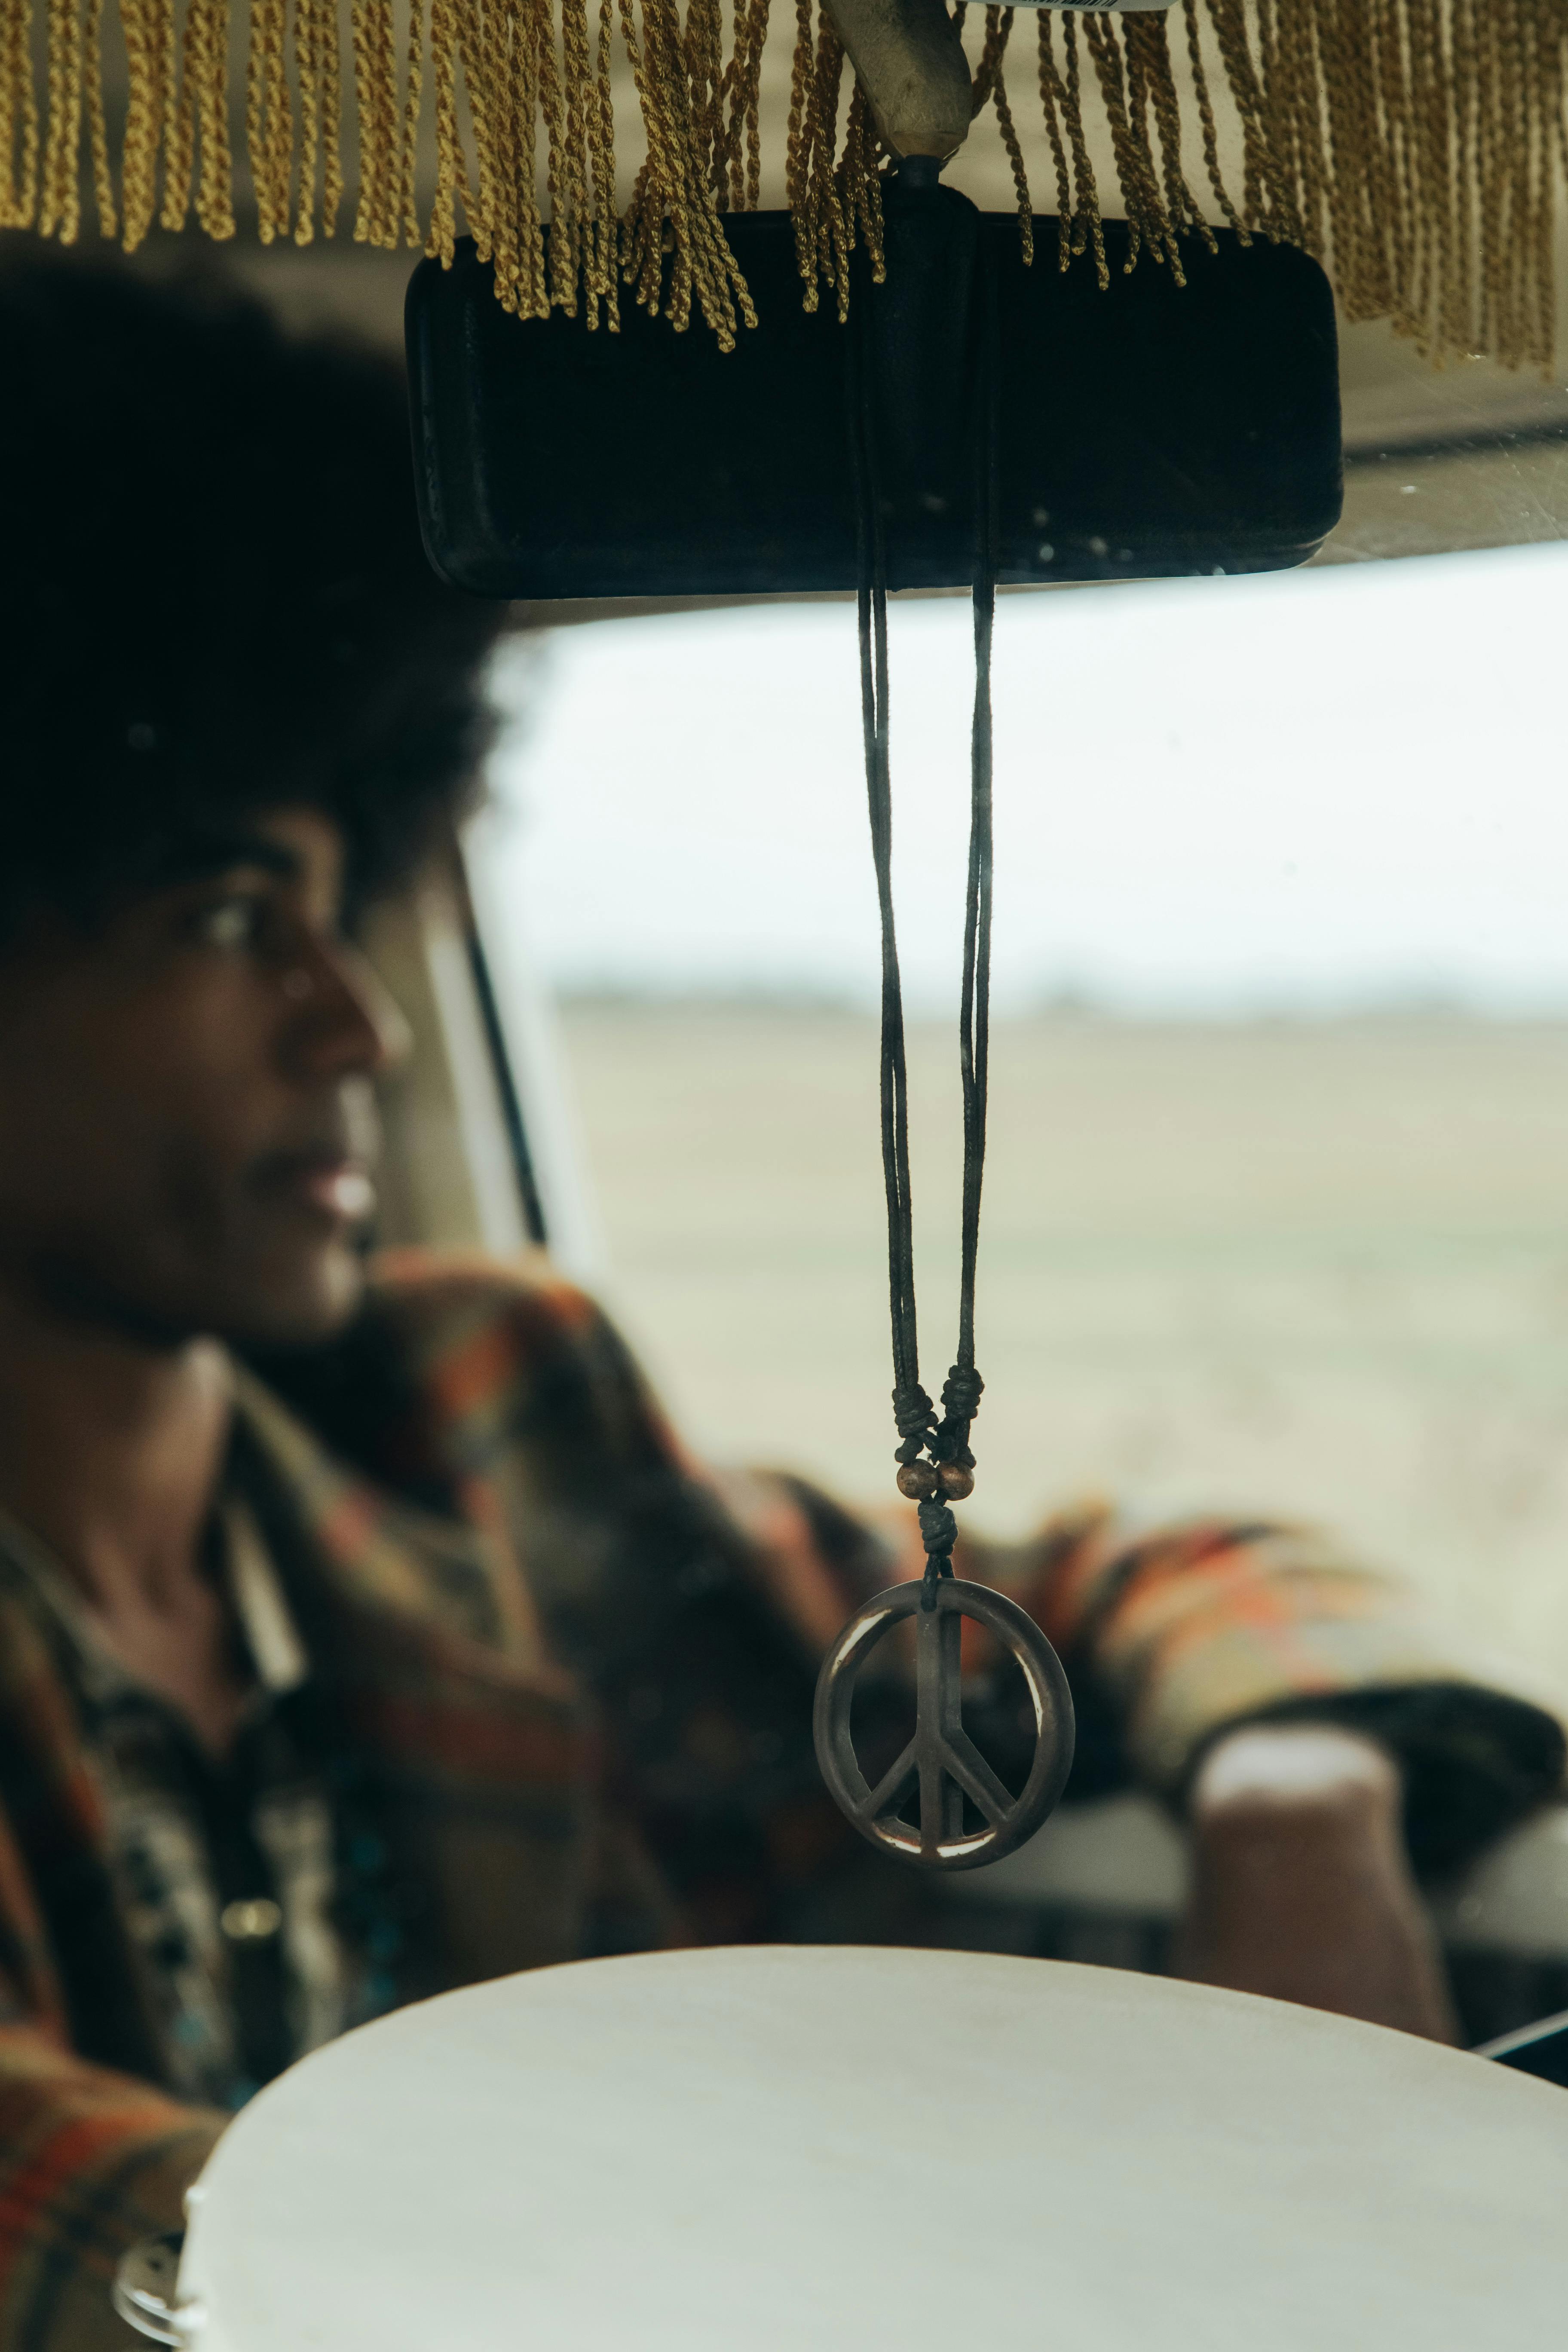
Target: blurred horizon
1066,1004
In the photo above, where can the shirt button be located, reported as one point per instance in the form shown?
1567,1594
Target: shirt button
250,1921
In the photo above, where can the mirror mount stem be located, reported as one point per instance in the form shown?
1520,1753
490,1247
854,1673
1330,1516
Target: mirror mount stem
911,62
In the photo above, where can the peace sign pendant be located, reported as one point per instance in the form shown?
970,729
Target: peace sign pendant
945,1761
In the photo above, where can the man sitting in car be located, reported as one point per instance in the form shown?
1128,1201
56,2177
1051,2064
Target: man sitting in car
363,1628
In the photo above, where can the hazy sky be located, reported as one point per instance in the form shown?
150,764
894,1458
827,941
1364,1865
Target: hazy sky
1318,788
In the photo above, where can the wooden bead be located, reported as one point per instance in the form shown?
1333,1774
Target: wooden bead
919,1481
956,1481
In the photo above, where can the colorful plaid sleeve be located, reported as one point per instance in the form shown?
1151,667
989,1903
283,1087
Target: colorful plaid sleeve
89,2161
1175,1633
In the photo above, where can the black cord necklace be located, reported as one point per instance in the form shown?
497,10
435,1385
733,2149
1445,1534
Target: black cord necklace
936,1464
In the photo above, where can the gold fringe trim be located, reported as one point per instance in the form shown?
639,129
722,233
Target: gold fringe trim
1417,147
835,198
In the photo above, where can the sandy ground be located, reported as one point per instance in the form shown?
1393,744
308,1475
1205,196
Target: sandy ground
1316,1268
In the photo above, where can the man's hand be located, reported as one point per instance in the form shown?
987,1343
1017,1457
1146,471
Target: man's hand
1302,1888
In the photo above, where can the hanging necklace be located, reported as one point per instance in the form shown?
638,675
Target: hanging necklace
936,1464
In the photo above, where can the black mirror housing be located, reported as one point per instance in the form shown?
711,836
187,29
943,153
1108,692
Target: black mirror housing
1150,429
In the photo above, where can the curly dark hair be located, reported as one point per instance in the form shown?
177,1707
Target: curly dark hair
213,596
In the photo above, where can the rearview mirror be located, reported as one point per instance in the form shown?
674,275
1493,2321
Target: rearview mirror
1150,428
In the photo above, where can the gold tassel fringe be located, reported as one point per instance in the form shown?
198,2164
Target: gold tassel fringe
1417,147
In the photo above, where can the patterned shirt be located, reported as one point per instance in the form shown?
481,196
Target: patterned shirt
222,1868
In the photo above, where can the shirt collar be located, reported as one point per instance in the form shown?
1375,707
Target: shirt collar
250,1580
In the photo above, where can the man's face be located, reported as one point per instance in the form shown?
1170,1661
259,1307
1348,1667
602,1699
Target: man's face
186,1119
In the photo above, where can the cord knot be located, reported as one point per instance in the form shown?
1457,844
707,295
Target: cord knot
961,1392
939,1530
915,1417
